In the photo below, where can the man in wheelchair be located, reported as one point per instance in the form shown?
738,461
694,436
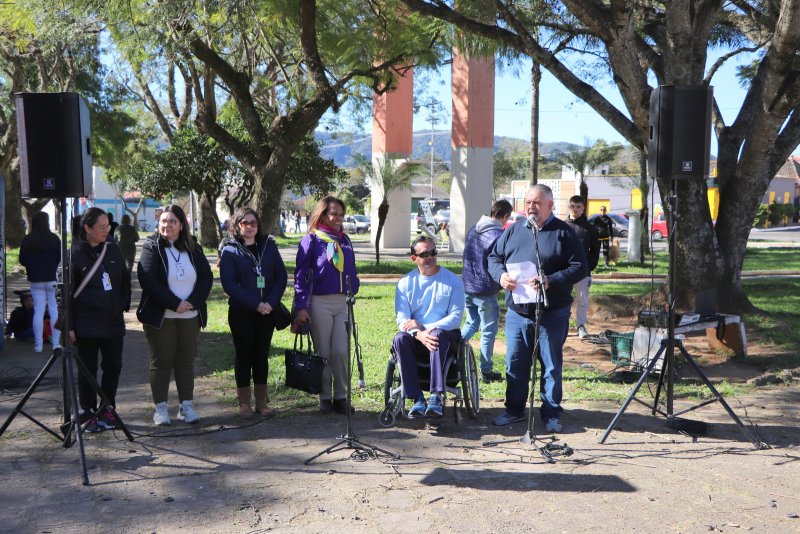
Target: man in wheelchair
429,305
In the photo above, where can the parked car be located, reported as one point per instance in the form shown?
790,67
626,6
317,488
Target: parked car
620,223
426,214
515,216
356,224
659,229
442,218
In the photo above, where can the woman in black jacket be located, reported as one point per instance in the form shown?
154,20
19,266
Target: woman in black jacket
40,253
253,275
97,321
176,280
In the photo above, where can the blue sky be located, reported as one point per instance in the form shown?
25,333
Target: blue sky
563,116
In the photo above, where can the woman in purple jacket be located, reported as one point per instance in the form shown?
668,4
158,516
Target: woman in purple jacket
324,273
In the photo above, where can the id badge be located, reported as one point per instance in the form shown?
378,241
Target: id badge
179,272
260,282
106,282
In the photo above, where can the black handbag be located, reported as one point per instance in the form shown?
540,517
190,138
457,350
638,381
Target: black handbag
304,367
281,317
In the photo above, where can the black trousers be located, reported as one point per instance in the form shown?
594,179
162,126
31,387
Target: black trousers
252,336
111,365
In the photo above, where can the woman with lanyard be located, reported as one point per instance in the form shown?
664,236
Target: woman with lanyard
176,280
325,264
254,278
98,326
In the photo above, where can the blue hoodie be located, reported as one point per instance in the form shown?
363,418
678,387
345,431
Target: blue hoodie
475,274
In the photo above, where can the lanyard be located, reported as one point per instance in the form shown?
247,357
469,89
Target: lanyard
178,259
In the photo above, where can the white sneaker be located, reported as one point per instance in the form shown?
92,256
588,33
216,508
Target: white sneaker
161,415
186,412
553,425
582,333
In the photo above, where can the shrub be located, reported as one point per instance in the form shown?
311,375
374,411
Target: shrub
761,216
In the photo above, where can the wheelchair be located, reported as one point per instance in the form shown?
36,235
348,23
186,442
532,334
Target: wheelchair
461,381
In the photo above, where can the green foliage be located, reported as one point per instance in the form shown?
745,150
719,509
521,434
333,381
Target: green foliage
778,213
508,166
761,216
310,173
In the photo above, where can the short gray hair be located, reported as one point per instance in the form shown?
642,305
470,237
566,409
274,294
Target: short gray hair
544,189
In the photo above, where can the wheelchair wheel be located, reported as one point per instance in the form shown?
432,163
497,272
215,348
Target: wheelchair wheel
469,382
392,397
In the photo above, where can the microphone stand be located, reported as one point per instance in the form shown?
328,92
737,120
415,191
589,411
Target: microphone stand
348,440
548,451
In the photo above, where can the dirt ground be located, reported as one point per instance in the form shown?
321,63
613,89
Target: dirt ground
224,476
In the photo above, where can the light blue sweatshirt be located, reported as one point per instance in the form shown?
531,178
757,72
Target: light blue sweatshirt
434,301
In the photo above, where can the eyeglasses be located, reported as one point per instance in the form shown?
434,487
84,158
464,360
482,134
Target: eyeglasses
250,224
170,222
101,227
427,254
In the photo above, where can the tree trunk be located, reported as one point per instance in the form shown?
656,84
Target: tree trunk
644,213
584,189
209,222
15,230
383,211
536,80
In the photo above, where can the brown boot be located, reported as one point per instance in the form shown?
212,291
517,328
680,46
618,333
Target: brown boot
262,400
245,411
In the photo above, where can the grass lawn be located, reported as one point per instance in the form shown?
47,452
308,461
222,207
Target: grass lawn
374,314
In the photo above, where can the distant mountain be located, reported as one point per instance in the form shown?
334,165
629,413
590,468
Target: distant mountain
341,146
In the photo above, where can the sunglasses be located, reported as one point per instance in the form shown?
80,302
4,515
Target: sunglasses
251,224
427,254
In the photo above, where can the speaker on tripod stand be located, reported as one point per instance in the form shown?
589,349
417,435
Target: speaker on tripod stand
678,149
55,162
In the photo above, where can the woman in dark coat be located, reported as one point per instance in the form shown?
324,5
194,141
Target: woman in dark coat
176,280
98,325
253,275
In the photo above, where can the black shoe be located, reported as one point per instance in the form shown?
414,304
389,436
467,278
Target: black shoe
492,376
326,406
340,406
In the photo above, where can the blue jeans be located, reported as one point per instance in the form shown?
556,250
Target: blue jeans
519,352
483,312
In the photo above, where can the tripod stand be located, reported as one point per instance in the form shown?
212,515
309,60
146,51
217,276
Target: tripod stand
668,346
71,426
548,451
348,440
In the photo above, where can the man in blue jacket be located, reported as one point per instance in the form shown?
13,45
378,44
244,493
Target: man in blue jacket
480,288
563,263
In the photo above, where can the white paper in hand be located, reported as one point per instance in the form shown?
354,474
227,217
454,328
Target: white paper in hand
521,272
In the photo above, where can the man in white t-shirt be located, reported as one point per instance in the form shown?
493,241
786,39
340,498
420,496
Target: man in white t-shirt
429,306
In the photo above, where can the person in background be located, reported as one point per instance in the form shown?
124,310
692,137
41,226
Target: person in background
563,264
605,231
20,323
98,325
325,262
40,253
587,233
112,227
176,280
127,235
254,278
429,306
482,308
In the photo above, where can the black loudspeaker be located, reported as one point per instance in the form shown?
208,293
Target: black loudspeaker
54,146
680,131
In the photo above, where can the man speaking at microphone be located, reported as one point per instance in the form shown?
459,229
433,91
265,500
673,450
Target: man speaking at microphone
563,263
